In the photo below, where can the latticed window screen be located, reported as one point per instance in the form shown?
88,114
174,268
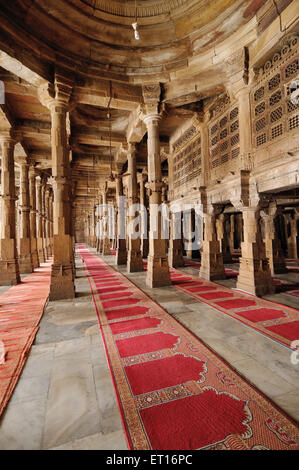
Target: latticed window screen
187,162
224,137
272,109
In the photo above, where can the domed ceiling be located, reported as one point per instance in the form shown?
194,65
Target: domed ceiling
93,35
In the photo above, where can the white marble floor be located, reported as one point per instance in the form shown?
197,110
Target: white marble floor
65,397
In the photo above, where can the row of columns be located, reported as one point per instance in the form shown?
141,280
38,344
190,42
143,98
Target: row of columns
22,250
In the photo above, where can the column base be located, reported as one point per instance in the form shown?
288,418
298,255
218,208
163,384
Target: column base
157,272
25,260
254,277
62,283
25,264
175,254
212,267
9,273
35,262
144,248
134,262
106,248
121,253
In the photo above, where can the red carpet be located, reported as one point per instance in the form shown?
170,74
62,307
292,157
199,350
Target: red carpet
281,285
21,308
173,391
276,321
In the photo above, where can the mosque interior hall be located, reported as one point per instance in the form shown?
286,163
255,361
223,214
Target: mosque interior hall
149,225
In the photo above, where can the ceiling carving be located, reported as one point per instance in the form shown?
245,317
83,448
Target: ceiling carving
144,7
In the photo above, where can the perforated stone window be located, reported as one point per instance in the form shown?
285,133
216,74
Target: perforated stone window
274,82
259,93
276,131
188,158
272,109
224,135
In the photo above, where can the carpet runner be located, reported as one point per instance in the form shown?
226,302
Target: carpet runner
276,321
281,285
21,308
173,391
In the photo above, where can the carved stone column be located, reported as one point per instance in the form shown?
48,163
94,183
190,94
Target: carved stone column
47,221
62,276
222,235
121,250
51,219
25,258
44,217
40,238
212,267
106,241
33,216
134,260
272,243
9,266
254,274
175,252
157,265
144,217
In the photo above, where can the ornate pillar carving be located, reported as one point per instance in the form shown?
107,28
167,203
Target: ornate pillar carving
121,249
254,274
33,216
105,239
9,266
272,243
40,238
212,267
175,252
157,265
25,257
223,237
57,100
134,260
144,217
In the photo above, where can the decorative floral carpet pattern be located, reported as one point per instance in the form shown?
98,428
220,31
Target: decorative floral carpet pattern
277,321
21,308
173,391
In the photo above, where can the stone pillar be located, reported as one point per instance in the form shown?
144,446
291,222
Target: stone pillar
175,252
223,238
212,267
189,229
232,233
121,250
25,258
254,274
47,221
144,217
134,260
51,220
157,265
62,278
105,239
43,190
33,215
272,243
40,238
9,266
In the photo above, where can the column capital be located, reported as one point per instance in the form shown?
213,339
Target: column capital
153,118
8,136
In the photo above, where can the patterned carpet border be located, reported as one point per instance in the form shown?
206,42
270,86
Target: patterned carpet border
166,416
21,308
282,327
